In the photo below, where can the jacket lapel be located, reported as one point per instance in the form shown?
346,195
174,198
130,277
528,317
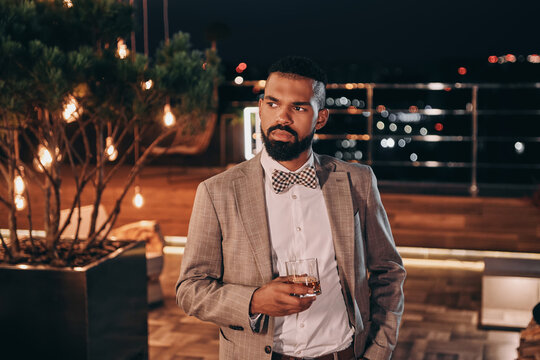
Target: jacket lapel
337,195
251,205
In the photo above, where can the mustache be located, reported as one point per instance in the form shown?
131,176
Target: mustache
284,128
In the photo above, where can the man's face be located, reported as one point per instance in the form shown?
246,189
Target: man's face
289,116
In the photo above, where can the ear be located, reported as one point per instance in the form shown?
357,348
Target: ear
260,106
322,118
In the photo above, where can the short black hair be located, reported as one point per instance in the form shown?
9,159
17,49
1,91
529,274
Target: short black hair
536,313
300,66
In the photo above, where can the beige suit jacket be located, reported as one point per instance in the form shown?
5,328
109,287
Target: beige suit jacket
227,257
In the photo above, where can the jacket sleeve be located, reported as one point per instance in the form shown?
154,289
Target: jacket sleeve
386,277
200,291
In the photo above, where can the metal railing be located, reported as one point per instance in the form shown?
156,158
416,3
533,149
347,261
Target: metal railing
370,110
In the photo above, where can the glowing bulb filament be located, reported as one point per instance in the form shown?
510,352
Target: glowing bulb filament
138,200
122,49
68,3
18,185
71,111
147,85
20,202
168,118
110,150
45,157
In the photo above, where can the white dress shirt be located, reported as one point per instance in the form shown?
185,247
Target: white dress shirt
300,229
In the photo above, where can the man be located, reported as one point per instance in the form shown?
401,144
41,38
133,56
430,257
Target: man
289,203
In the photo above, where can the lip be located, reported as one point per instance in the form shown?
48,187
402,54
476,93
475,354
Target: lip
281,135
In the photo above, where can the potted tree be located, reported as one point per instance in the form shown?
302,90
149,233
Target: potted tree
74,103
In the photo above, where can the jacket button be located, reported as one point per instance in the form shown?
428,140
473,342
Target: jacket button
267,349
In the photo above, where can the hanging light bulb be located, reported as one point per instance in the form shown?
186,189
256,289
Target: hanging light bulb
110,150
147,85
58,155
68,3
168,118
20,202
18,183
122,49
71,110
44,158
138,200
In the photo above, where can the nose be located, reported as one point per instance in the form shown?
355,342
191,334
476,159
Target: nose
284,116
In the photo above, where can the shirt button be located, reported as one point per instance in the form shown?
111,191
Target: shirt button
294,196
301,325
267,349
299,229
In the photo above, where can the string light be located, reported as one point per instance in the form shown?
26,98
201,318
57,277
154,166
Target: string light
138,199
19,187
241,67
519,147
20,202
122,49
18,183
510,58
238,80
168,117
110,150
44,157
147,85
68,3
534,58
71,110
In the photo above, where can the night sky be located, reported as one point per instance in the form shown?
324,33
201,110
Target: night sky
348,32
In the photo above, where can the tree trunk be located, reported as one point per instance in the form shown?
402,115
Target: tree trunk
15,246
99,178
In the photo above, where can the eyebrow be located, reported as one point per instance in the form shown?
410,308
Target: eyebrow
271,98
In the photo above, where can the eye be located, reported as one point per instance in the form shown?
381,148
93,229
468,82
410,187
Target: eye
271,104
299,108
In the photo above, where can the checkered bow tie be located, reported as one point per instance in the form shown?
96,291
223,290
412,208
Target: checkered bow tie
281,180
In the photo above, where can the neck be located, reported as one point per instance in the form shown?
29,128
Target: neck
295,164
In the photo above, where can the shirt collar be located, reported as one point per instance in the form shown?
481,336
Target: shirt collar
270,164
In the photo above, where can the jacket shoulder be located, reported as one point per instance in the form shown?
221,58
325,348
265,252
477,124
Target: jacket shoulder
355,169
229,175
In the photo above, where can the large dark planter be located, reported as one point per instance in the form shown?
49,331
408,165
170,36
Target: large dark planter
95,312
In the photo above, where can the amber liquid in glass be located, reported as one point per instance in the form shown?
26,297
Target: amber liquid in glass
309,281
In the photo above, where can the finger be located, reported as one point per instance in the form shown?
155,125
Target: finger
295,302
281,279
300,289
290,289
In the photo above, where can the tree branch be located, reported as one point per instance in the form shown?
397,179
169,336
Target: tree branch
6,247
134,171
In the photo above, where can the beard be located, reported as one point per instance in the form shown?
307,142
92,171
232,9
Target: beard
286,151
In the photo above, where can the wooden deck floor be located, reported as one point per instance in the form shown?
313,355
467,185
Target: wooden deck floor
440,321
